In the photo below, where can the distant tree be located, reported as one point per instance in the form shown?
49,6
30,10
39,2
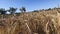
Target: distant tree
12,10
35,11
49,9
42,9
22,9
2,11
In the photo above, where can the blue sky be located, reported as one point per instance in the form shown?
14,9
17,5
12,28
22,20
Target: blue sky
29,4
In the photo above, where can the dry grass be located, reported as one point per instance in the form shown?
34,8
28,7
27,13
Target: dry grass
45,22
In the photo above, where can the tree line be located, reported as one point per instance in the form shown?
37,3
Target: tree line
11,10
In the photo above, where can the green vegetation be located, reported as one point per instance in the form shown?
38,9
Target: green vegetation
12,10
23,9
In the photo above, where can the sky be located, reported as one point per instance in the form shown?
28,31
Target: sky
30,5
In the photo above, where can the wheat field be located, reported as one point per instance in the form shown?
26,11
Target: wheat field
41,22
